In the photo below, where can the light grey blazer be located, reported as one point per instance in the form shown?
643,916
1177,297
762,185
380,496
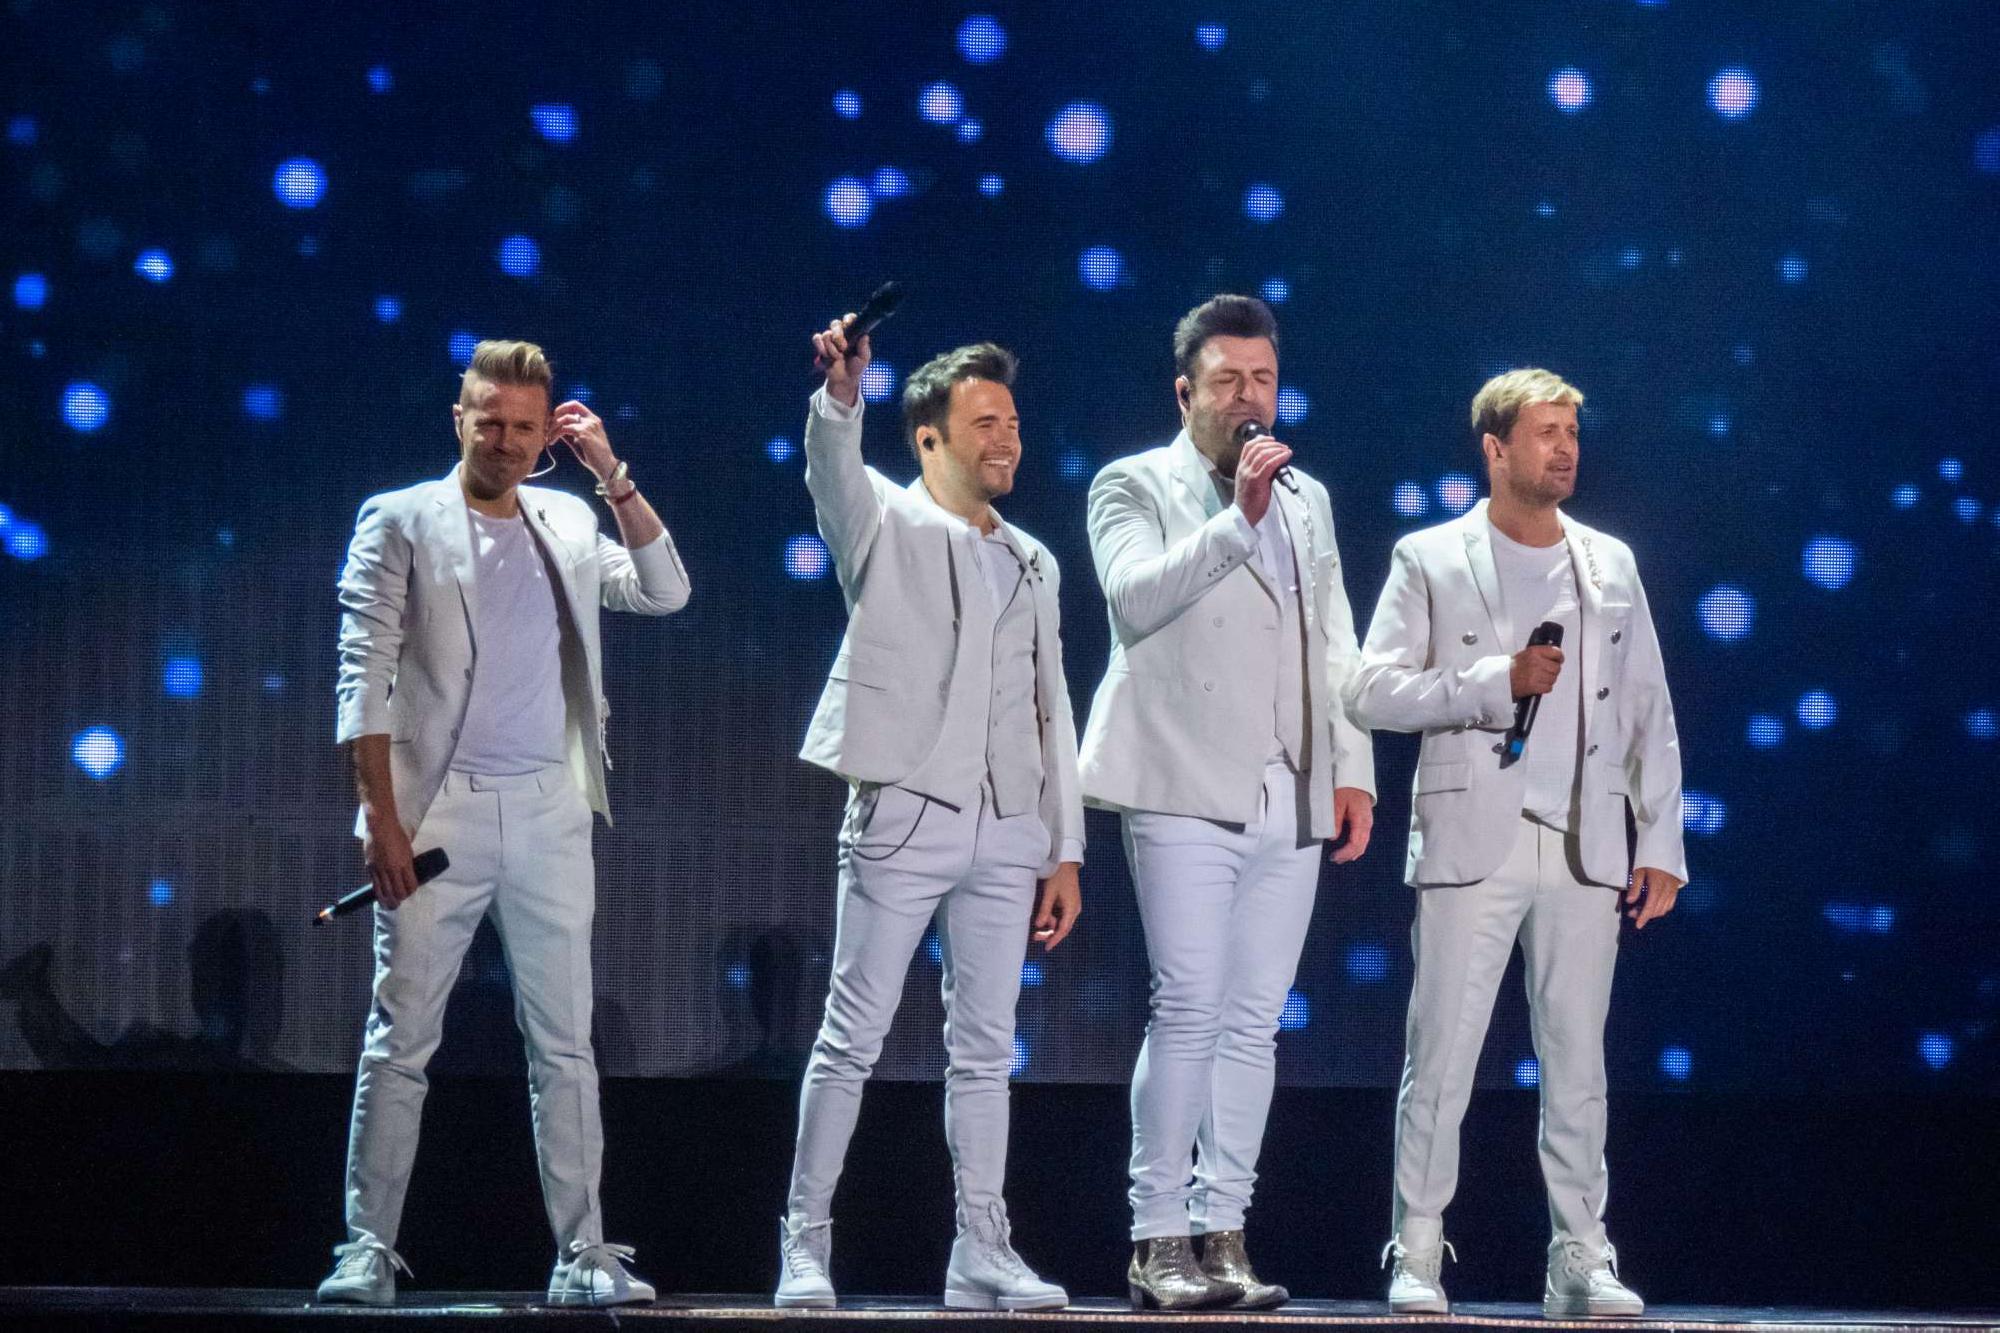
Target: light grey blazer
883,706
1437,660
407,595
1182,722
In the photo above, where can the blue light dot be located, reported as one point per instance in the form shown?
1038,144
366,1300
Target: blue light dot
23,131
462,346
1080,132
1727,613
1985,150
1263,203
299,182
779,449
971,129
1792,268
878,382
847,104
991,185
31,291
1410,499
737,976
1966,508
848,201
1071,465
554,121
1275,290
1982,724
1676,1062
1743,354
806,558
160,893
1031,973
1292,405
1100,268
1631,257
1528,1073
274,683
889,183
225,538
1828,561
1545,209
1817,710
1296,1013
940,104
1936,1049
1765,731
1905,496
519,257
1951,469
1022,1054
6,518
1732,93
1569,89
26,540
154,265
98,751
263,402
388,309
1847,918
1702,813
85,407
1718,424
1367,964
1211,36
981,39
1457,492
181,678
934,948
308,246
380,80
1881,919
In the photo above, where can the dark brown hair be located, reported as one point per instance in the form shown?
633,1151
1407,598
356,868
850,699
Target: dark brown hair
1221,317
927,393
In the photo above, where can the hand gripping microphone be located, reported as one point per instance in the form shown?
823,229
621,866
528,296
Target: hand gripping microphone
1249,431
428,865
879,306
1548,634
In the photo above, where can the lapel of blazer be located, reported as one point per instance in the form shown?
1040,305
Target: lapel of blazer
454,531
1045,612
1190,470
1479,554
1590,602
534,510
1299,522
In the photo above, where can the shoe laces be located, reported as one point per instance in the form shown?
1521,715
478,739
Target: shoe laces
995,1236
1587,1263
1425,1264
801,1252
357,1255
588,1257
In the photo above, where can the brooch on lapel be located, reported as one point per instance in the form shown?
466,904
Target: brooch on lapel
1590,565
1035,565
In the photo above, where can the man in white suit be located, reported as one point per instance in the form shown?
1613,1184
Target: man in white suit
948,714
471,697
1218,733
1533,850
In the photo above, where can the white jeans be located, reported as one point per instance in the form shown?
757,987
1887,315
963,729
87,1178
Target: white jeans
1225,912
903,860
1462,938
520,849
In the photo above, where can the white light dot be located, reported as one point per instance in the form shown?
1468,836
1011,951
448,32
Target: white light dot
1828,561
1727,612
940,103
1732,93
848,201
1569,89
299,182
806,558
1080,132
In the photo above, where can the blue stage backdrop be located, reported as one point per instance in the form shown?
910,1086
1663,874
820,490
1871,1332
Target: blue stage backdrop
248,247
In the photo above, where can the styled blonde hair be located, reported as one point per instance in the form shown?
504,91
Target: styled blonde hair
1500,400
506,361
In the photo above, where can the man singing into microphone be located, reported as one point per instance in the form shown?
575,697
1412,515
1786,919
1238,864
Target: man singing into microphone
1533,850
948,714
471,698
1219,734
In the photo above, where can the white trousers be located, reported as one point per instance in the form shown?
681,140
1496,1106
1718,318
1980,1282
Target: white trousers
520,849
1568,931
905,859
1225,910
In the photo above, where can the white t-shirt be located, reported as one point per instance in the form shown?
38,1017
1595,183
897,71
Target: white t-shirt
1538,583
514,718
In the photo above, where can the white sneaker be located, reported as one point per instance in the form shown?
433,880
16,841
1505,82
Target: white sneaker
365,1275
1416,1284
595,1274
1583,1281
986,1274
804,1251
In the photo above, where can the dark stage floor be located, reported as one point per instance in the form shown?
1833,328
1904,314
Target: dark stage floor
242,1309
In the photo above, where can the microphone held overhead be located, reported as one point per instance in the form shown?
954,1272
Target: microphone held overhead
1548,634
879,306
428,865
1251,430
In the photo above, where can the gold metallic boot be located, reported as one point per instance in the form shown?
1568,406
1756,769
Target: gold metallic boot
1164,1276
1224,1259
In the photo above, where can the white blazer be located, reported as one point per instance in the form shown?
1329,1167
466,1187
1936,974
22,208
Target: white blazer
1437,661
406,648
883,706
1182,723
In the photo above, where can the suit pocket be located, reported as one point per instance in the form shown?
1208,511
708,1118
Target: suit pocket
1442,777
870,663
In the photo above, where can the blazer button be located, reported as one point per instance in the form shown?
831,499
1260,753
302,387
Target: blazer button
468,673
1217,622
1591,751
1468,638
944,690
1617,634
1497,747
1604,693
1208,687
454,733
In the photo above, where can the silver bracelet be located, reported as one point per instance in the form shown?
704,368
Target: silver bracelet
618,474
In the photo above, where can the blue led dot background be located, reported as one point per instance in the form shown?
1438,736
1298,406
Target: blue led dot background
246,251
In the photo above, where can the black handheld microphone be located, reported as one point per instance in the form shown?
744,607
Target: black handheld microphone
1249,431
428,865
1548,634
879,306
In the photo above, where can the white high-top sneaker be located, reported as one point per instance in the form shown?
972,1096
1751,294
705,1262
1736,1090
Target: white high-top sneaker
1583,1280
595,1274
804,1251
1416,1284
365,1275
986,1274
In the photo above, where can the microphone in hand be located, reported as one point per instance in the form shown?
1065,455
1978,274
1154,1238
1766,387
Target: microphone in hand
1254,429
1548,634
428,865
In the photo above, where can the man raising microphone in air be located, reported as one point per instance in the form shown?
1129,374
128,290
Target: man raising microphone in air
1533,850
1218,733
948,714
471,697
